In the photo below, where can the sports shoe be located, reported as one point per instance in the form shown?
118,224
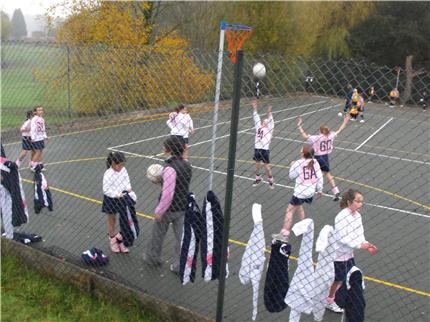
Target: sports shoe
336,197
123,248
271,185
334,308
114,247
362,121
353,119
280,237
256,182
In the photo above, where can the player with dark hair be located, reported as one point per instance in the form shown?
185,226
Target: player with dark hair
38,136
172,204
349,235
115,182
181,125
26,138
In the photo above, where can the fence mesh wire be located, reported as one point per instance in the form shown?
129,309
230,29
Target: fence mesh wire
103,100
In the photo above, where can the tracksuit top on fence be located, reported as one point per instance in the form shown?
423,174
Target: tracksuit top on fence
183,171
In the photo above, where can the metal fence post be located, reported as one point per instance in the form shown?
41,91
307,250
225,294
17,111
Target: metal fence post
230,178
69,103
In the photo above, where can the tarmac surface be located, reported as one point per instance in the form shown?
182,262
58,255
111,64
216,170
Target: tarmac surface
386,158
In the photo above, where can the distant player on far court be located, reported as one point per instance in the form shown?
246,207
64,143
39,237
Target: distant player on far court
323,145
263,137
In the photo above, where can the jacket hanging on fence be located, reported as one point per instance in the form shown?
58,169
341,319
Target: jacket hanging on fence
253,259
350,296
42,195
13,204
191,238
212,237
324,271
277,279
128,223
300,294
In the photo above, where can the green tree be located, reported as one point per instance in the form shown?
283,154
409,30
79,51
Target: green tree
288,28
112,66
19,28
393,32
5,26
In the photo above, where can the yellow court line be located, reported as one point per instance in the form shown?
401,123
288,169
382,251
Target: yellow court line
338,178
274,165
407,289
386,192
375,280
72,194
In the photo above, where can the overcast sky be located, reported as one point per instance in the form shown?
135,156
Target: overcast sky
28,7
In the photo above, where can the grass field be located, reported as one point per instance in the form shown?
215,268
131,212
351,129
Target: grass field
27,295
21,90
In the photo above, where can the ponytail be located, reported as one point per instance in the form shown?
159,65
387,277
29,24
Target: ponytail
308,153
29,114
348,197
114,157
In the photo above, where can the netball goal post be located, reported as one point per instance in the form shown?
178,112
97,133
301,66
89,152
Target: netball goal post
236,35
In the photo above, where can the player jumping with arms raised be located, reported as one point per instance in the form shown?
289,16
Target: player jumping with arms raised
323,145
263,137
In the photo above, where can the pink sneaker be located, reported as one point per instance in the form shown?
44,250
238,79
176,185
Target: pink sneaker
121,245
123,248
114,247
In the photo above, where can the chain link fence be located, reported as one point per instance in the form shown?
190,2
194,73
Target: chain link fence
101,101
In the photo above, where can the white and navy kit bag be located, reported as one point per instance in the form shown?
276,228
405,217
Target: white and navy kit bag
128,223
42,195
13,205
212,237
191,238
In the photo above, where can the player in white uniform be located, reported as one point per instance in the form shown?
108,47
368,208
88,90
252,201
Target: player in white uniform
309,181
323,145
263,137
26,138
38,136
181,125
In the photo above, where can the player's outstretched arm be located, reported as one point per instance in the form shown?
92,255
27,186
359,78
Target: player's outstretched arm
254,104
302,132
344,123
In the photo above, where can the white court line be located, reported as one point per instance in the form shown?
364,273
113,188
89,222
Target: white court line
286,119
374,133
351,150
210,125
276,184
